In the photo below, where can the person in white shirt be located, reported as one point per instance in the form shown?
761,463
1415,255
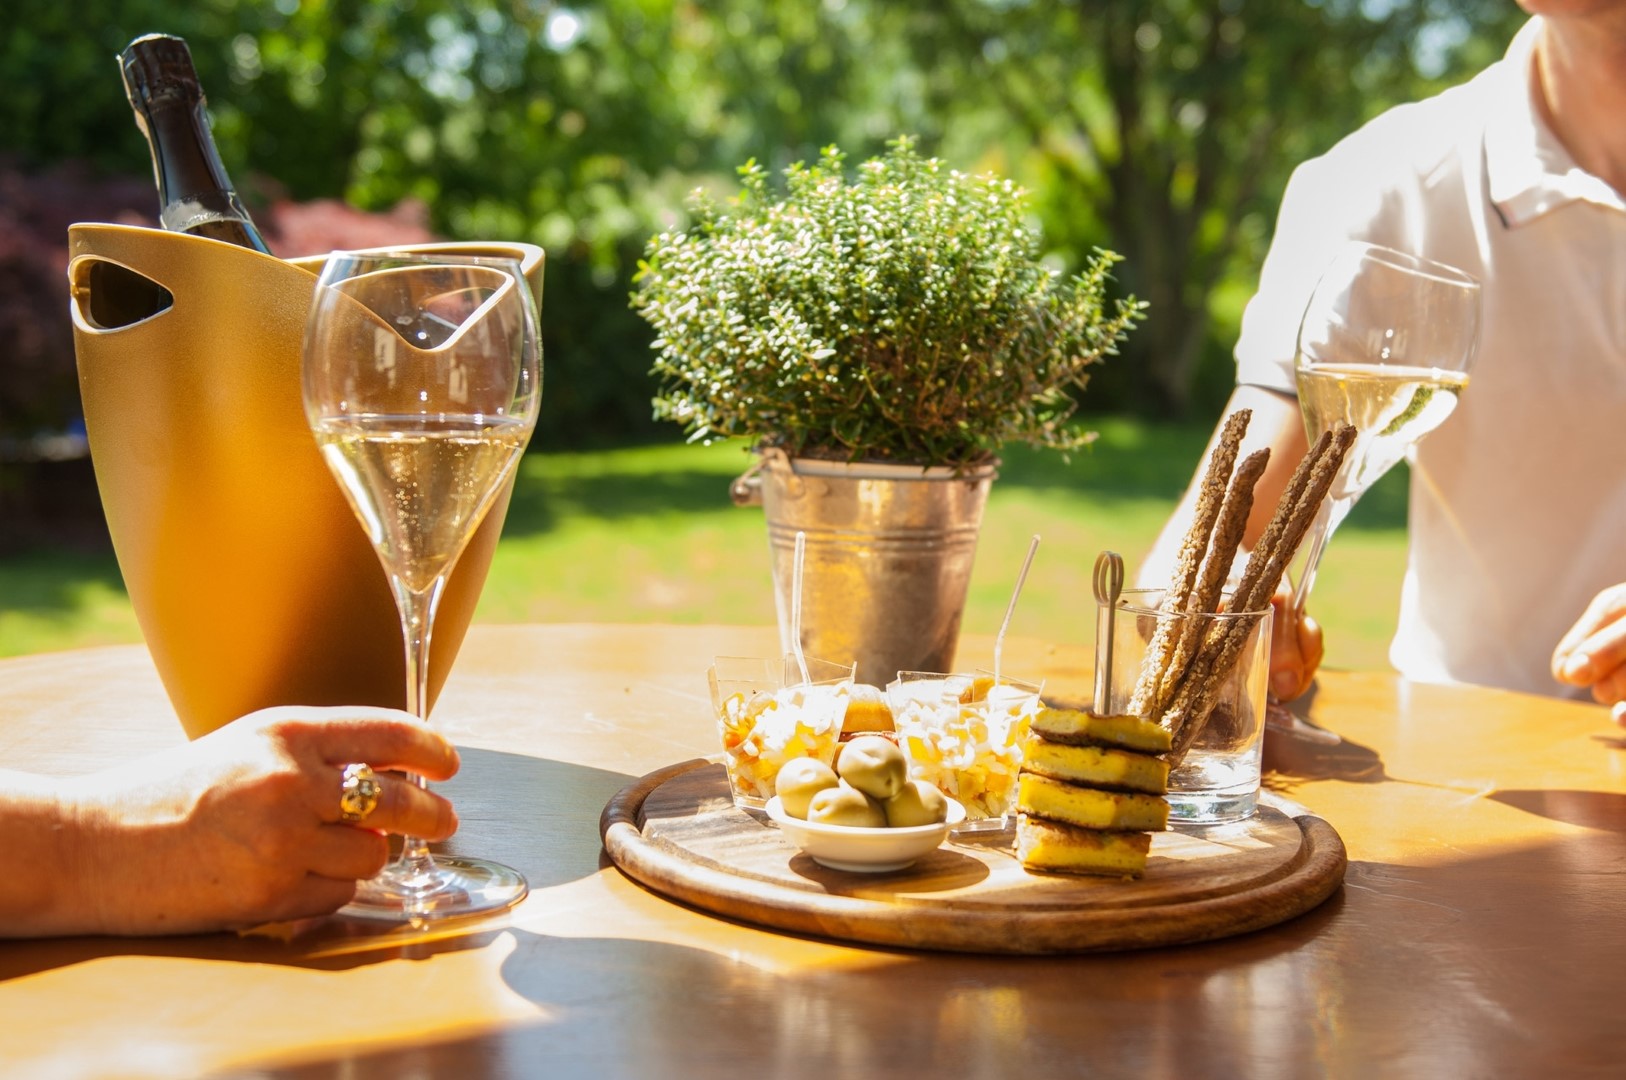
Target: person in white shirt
1517,553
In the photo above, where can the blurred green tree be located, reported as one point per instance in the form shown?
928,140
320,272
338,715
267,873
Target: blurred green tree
580,128
1161,128
1170,127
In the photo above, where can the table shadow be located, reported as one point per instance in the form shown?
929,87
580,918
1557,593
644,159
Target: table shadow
545,824
1290,760
1590,809
1273,1002
968,1015
1294,755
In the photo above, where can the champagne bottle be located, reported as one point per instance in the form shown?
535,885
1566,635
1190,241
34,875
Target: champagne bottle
194,193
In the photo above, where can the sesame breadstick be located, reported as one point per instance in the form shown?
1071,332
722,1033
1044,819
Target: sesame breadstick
1233,521
1270,539
1154,668
1193,701
1320,481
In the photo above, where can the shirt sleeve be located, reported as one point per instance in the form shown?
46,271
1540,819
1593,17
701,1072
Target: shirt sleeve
1329,201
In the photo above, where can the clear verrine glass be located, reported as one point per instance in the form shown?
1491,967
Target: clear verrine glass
962,733
767,715
1217,779
422,380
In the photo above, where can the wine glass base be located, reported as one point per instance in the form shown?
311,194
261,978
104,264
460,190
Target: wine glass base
456,886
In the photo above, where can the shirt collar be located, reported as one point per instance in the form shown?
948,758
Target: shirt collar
1529,171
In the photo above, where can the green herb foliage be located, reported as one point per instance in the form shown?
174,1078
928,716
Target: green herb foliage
905,315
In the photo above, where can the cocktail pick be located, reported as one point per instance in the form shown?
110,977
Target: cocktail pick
999,642
1109,586
796,605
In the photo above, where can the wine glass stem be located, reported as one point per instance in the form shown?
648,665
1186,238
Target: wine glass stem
1327,519
417,623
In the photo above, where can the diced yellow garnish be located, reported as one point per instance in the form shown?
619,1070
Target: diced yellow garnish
977,690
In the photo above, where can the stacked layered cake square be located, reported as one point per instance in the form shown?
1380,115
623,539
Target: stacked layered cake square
1090,793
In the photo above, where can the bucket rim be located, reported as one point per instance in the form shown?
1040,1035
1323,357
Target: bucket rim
885,470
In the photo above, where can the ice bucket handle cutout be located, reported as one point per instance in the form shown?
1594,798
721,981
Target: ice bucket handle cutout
252,581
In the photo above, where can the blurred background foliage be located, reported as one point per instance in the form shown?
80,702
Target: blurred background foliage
1163,129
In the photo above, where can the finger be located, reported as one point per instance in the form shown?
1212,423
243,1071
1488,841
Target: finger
406,809
1620,713
1312,644
1295,652
403,808
1569,664
1310,647
315,895
1573,636
1286,676
386,739
346,853
1611,688
1572,661
1597,655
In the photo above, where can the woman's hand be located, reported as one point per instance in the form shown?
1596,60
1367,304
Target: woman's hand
1592,653
1296,648
242,826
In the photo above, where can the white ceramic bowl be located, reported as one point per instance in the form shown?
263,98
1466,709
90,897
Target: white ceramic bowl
864,851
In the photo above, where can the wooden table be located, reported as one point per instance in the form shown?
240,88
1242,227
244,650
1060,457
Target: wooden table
1481,930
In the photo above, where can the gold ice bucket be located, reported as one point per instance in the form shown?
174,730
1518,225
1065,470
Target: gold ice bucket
251,578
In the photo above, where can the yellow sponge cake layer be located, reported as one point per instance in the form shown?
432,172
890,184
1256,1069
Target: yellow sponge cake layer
1082,728
1047,845
1089,809
1095,766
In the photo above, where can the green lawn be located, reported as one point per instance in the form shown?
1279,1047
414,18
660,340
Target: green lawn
649,535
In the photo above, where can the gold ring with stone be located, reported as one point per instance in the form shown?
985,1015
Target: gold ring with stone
358,794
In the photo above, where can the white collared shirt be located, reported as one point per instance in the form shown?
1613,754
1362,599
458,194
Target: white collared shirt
1518,502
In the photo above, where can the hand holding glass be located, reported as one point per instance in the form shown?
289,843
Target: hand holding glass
422,381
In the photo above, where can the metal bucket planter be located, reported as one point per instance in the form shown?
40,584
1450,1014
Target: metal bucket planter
887,562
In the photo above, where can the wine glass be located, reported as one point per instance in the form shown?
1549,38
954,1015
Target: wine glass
422,380
1385,345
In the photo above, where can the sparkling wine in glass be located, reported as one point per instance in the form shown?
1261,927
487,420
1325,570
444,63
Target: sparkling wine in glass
422,380
1385,345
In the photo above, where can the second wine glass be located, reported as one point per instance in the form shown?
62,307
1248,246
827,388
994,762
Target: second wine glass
422,381
1385,345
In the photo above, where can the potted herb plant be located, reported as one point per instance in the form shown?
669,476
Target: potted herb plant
876,339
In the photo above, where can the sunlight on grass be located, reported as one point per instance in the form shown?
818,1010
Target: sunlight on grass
649,535
78,612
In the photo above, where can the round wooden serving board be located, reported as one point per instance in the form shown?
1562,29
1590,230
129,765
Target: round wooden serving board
678,833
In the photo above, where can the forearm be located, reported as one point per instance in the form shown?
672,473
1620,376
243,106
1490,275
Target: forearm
43,891
237,828
1277,425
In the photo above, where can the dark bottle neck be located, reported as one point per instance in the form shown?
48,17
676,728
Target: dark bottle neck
194,193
